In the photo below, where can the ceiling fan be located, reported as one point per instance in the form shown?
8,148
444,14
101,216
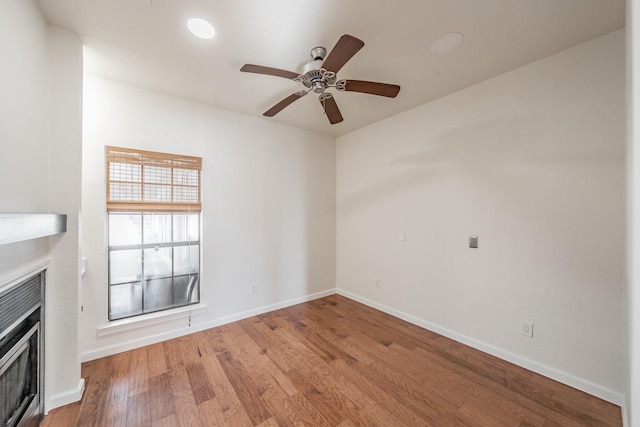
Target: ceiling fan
319,74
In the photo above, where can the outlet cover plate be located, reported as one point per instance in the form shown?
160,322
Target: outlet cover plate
526,328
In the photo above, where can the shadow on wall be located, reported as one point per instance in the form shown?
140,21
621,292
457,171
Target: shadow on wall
510,154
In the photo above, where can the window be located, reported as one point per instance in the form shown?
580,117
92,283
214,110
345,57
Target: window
153,205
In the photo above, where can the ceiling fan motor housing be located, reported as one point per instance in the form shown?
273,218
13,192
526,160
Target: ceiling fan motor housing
313,75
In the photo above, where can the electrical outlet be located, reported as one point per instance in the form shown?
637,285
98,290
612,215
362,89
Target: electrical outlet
253,288
377,284
526,328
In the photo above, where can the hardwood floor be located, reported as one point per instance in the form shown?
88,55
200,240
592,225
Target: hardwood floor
329,362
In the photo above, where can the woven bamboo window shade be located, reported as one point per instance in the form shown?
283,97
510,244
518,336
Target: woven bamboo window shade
147,181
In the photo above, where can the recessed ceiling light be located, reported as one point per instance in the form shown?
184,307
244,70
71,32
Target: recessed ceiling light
446,43
201,28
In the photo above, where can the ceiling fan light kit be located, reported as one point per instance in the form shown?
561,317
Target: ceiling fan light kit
320,74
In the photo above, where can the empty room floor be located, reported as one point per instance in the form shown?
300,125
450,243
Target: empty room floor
328,362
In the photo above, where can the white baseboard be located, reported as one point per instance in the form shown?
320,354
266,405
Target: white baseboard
555,374
64,398
175,333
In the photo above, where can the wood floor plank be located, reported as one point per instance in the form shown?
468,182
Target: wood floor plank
379,395
97,375
475,415
329,362
306,412
211,411
252,355
118,390
244,388
161,397
138,410
539,404
185,404
319,400
222,387
272,351
172,355
169,421
425,402
157,365
139,371
454,383
64,416
201,388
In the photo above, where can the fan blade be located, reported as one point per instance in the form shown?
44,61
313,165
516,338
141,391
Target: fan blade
342,52
283,104
372,88
330,108
259,69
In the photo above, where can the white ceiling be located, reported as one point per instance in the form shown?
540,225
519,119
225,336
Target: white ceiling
146,43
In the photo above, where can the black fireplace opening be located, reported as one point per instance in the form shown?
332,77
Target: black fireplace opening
21,403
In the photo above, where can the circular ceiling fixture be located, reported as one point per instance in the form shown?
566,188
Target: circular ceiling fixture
201,28
446,43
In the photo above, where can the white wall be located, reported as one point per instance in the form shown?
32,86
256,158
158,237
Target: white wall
632,403
532,162
40,138
23,122
268,207
65,173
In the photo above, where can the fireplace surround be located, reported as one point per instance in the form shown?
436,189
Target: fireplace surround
21,353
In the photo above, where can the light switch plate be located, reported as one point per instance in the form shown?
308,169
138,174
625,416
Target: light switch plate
473,242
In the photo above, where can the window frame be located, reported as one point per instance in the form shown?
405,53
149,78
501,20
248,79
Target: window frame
185,201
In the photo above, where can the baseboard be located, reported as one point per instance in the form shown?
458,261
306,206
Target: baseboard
555,374
267,308
64,398
175,333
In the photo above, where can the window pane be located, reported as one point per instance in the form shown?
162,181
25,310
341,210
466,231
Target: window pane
186,259
158,294
185,227
157,228
157,262
125,300
125,266
181,289
166,269
125,229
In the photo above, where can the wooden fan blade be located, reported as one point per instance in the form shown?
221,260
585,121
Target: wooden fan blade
342,52
372,88
331,108
259,69
282,104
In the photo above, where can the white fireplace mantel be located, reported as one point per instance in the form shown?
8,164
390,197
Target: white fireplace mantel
19,227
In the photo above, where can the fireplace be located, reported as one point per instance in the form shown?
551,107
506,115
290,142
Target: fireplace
21,353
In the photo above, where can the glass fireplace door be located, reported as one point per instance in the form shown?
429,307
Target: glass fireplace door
19,398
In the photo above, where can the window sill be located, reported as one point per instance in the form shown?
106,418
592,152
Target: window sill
151,319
